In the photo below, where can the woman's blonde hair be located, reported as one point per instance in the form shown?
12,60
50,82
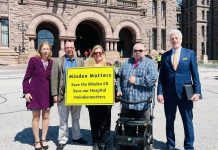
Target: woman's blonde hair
96,47
40,48
91,61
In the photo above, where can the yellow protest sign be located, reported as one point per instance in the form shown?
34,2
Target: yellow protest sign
90,86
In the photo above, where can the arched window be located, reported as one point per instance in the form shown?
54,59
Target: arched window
45,35
163,9
154,8
202,2
48,32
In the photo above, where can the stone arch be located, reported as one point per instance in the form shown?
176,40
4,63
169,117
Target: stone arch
46,18
128,24
92,16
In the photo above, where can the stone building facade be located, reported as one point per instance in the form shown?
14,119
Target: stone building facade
115,24
214,39
200,27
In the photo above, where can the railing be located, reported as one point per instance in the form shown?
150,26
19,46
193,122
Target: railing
127,3
93,1
124,3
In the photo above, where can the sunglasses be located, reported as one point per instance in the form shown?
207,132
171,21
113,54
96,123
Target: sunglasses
97,53
138,50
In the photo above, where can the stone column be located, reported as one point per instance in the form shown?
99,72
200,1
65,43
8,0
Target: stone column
205,39
32,51
158,25
115,46
32,43
204,57
111,46
61,50
113,2
107,46
62,44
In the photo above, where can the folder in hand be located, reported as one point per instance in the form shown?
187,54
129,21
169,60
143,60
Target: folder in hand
189,91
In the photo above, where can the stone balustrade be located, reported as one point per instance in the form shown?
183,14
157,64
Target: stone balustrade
127,3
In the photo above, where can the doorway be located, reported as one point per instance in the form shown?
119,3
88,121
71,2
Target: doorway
88,34
48,32
126,42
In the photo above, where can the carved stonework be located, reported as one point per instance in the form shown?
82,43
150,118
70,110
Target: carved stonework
4,8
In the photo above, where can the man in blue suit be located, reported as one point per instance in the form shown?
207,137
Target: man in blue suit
178,67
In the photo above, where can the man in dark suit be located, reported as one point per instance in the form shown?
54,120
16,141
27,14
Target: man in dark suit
178,67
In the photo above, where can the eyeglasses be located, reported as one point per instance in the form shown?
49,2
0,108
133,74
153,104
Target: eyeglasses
97,53
138,50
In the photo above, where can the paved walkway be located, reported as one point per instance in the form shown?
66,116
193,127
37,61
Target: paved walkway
15,121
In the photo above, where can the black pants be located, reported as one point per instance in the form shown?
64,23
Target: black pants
100,121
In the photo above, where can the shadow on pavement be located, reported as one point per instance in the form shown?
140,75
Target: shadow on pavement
160,145
26,136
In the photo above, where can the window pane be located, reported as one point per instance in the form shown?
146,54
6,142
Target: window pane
154,39
154,9
4,32
163,9
163,39
45,35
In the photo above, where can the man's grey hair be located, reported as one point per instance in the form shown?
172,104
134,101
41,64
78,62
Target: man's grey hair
143,47
175,32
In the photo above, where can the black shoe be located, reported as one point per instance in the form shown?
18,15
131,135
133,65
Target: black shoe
80,141
40,148
60,146
44,147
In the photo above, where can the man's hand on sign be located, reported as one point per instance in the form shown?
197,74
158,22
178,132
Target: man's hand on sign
118,96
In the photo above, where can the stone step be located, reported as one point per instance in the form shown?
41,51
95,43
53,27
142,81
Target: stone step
8,57
6,62
9,54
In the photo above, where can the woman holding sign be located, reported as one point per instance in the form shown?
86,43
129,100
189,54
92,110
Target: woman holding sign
100,116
